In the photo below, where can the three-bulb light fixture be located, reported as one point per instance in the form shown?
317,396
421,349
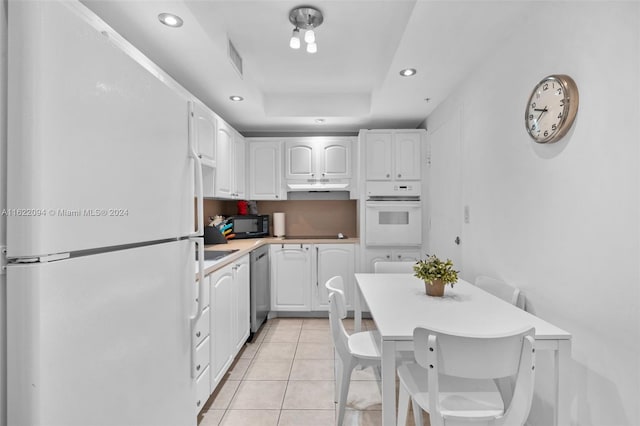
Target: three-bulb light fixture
308,19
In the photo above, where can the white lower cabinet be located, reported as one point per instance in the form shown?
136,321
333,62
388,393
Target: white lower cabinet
332,260
241,326
229,316
290,277
299,272
221,323
371,256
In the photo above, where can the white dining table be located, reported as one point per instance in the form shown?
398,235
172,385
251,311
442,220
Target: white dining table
398,304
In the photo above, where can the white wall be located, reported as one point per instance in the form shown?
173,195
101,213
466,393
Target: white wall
3,204
561,221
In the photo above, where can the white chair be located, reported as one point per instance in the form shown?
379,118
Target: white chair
353,350
501,289
393,267
453,378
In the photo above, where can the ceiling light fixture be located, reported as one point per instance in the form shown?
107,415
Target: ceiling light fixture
408,72
236,98
306,18
170,20
294,43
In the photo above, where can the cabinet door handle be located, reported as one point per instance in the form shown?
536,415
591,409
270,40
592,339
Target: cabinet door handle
388,175
198,367
317,263
198,403
388,256
399,175
276,196
198,334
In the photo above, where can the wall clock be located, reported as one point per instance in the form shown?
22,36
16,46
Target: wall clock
552,108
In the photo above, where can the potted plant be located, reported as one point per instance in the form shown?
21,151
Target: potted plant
436,274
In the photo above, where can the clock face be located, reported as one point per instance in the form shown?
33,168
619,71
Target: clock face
552,107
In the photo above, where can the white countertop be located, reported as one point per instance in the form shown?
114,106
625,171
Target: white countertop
245,246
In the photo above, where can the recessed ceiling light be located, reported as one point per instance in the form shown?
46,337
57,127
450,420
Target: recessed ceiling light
236,98
319,120
408,72
170,20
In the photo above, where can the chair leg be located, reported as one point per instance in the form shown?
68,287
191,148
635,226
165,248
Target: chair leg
345,381
337,374
377,372
403,406
417,413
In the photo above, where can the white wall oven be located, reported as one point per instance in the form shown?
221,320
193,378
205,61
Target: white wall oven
393,214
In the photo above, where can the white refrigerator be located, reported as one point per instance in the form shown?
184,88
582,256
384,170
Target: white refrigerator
100,240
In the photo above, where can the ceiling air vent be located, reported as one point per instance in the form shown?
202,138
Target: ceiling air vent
235,58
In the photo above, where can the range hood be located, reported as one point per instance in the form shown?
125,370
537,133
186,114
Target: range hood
318,185
319,189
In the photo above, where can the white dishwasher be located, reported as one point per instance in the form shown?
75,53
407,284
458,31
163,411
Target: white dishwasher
260,288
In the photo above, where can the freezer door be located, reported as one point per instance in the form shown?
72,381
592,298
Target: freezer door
98,151
102,340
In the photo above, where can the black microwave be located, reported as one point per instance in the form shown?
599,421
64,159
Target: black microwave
250,226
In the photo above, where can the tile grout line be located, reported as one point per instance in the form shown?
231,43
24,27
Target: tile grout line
289,375
228,408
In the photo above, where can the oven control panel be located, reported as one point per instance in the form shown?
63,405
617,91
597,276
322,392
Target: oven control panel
393,189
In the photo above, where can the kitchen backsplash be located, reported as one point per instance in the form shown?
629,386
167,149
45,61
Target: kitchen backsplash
308,217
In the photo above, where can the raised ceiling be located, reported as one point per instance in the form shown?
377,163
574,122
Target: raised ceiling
353,81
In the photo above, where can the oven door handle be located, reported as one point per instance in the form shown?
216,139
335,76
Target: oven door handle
392,204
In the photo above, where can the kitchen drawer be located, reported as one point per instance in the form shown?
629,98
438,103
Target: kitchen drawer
202,327
202,389
202,355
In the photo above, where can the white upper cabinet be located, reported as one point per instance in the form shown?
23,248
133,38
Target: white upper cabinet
378,156
318,158
224,163
240,172
265,170
406,154
300,160
392,155
230,162
334,159
203,131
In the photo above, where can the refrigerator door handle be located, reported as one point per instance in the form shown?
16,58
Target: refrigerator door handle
201,303
199,232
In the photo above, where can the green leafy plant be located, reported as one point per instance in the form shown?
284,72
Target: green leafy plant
432,268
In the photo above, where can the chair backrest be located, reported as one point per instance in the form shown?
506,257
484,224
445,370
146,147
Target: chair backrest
501,289
473,357
393,267
337,311
336,285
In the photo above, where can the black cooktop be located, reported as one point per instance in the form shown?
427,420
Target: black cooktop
312,237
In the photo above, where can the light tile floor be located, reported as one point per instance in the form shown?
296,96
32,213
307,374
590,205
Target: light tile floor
285,378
